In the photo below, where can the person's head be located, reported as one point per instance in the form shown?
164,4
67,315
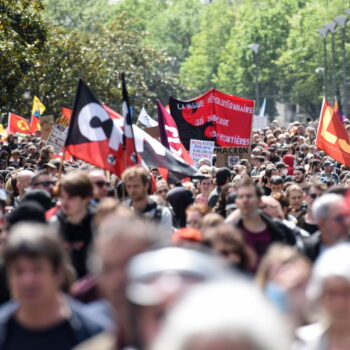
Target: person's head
329,285
328,167
295,196
42,181
24,178
259,161
99,182
225,314
35,262
157,280
315,166
276,184
222,176
304,148
227,242
155,172
137,182
312,191
272,207
162,189
206,185
195,214
248,197
204,161
332,218
46,154
118,239
76,191
299,174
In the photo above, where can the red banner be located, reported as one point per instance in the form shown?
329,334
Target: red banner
214,116
332,136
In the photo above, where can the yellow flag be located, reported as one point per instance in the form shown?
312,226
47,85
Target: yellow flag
38,108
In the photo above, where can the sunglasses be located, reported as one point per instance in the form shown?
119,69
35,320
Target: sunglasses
100,184
314,195
45,183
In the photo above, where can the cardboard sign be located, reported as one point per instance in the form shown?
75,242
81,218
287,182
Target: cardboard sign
201,149
59,131
229,156
58,137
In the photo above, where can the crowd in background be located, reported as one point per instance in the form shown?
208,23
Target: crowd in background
252,257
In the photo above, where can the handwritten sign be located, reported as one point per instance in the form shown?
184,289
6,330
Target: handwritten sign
201,149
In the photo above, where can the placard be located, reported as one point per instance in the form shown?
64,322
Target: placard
201,149
259,123
227,156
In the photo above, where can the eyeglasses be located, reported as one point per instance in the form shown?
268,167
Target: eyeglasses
314,195
45,183
100,184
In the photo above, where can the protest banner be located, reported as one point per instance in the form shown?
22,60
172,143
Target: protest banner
229,156
201,149
214,116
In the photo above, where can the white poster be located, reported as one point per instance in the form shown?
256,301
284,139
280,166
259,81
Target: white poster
201,149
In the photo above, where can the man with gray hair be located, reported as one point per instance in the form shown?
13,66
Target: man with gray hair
333,218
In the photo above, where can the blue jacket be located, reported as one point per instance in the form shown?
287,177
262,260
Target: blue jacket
82,324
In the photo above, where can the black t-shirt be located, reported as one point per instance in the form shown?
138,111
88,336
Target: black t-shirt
58,337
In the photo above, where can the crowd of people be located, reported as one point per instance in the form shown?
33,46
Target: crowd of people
252,257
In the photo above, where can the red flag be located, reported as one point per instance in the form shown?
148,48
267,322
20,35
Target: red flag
35,124
169,134
17,124
332,136
93,136
130,155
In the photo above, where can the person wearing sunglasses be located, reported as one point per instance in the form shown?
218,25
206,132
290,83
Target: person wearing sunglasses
101,186
43,181
333,219
312,191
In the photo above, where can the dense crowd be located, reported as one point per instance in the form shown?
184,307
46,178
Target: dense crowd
252,257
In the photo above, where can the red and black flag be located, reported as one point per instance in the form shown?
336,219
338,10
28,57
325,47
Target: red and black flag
93,136
130,154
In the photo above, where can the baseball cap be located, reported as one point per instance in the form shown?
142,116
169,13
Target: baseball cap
328,163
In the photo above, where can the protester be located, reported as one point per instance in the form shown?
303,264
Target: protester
332,217
74,221
228,314
329,296
222,177
137,183
42,316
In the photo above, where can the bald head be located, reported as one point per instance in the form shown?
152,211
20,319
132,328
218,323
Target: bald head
24,179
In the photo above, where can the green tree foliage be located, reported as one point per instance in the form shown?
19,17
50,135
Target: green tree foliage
22,36
200,67
264,23
79,15
99,58
303,54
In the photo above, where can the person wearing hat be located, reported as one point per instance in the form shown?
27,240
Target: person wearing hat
222,177
328,171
